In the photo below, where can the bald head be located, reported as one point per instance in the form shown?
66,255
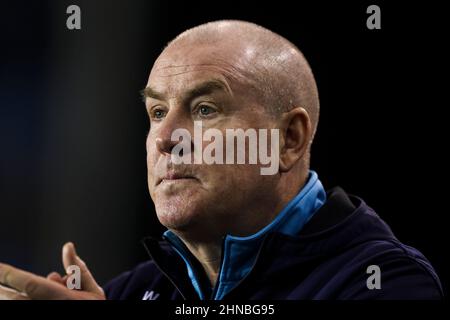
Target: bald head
271,66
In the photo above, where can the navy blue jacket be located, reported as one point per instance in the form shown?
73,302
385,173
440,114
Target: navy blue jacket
329,260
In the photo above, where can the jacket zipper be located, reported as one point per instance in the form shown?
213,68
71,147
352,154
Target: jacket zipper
253,266
165,274
214,292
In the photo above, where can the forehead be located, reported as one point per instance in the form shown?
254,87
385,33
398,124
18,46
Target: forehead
178,81
179,69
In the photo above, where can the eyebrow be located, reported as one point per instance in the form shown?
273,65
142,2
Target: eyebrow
202,89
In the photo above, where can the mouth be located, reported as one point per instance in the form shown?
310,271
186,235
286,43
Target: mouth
173,177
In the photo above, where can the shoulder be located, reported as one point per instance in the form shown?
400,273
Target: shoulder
403,271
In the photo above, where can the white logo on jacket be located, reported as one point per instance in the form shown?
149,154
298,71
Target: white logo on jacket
150,295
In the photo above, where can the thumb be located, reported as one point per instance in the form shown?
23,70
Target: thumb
70,257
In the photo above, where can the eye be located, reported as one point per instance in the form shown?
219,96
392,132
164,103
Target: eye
205,110
157,114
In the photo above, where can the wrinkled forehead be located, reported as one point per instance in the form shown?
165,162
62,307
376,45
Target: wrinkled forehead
180,67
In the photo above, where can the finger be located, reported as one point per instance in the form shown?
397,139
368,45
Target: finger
35,287
70,257
56,277
10,294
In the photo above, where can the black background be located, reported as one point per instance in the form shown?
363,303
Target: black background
73,127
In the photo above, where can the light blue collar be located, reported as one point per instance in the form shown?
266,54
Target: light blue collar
239,253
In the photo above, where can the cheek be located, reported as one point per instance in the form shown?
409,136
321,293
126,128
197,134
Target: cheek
149,142
233,179
151,161
150,147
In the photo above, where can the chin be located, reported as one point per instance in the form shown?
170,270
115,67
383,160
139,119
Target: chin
174,217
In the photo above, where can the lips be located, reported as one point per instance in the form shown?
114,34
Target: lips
174,176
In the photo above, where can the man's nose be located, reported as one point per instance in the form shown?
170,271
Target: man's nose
172,122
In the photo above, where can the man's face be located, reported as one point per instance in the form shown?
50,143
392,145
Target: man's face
198,84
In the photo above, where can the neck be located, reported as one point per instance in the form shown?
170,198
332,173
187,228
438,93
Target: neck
208,251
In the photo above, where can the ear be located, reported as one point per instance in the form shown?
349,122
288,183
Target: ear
296,134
